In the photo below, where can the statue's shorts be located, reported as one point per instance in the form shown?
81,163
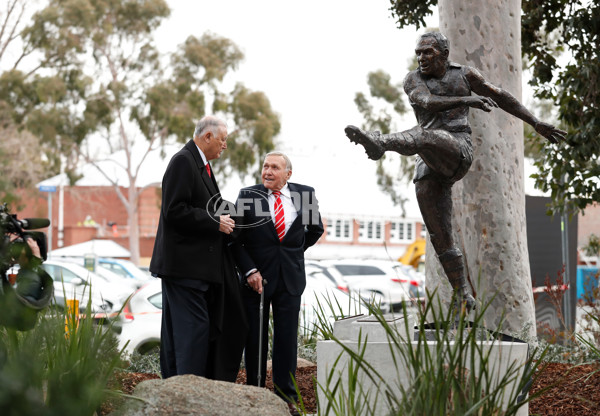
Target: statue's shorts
465,155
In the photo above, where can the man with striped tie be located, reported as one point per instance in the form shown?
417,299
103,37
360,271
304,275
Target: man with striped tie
280,221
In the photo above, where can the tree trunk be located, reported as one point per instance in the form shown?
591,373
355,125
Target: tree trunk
489,203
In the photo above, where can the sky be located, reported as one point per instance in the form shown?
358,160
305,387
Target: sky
310,58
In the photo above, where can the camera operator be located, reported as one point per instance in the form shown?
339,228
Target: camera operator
20,305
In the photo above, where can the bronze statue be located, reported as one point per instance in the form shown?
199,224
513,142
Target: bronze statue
440,93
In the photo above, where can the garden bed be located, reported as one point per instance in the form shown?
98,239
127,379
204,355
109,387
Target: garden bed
573,390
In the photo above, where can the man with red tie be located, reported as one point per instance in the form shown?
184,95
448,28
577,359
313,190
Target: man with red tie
280,221
203,322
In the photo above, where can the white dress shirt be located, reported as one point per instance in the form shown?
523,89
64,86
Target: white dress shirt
289,211
202,155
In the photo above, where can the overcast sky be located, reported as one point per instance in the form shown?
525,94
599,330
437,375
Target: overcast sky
310,58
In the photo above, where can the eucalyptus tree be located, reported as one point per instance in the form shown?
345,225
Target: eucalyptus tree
111,95
20,159
561,41
492,36
489,202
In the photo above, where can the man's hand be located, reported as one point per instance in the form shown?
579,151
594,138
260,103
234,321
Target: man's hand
226,224
550,132
483,103
33,245
255,282
24,256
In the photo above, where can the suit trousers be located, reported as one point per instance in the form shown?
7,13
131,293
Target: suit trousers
184,338
286,308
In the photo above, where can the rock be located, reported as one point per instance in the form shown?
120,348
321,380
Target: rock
193,395
304,363
301,364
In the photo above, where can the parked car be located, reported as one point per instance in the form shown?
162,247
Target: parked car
322,300
72,281
414,278
123,269
127,269
377,279
139,324
315,268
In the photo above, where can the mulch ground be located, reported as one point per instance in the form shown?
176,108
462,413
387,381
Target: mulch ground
304,379
571,390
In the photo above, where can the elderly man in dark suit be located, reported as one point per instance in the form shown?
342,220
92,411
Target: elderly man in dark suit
281,220
203,323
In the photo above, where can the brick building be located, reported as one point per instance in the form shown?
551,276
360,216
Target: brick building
96,212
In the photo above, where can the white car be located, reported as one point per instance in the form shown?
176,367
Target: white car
322,303
376,279
72,281
126,269
139,324
414,278
118,268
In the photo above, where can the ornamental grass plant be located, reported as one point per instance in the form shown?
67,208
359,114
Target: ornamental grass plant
61,367
449,367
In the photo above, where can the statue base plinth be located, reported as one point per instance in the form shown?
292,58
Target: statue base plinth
502,355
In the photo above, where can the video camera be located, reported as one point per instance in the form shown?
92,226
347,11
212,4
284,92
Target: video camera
33,288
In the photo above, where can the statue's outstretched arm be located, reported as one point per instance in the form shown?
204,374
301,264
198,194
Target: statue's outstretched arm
506,101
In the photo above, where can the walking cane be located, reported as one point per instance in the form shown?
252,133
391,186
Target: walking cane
261,319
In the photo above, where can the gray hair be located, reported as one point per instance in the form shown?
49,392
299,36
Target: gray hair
288,162
210,123
441,41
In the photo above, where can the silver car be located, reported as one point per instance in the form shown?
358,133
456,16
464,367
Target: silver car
376,279
108,292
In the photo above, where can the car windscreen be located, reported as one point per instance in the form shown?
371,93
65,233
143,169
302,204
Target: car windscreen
358,270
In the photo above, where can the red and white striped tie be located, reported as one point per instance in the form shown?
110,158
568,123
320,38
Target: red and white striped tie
279,216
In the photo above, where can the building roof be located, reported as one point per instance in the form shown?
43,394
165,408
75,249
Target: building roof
101,248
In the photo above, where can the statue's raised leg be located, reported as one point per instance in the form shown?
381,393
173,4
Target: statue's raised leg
376,144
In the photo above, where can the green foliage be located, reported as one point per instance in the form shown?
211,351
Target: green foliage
592,248
411,12
256,125
145,363
45,371
207,59
101,77
568,171
98,71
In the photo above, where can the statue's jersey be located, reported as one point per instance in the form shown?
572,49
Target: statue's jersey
450,125
453,83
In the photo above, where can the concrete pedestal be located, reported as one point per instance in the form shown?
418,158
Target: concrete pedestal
386,360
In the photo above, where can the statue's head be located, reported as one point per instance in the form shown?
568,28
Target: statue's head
432,53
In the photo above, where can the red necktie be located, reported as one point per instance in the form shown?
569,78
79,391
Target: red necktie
279,216
208,169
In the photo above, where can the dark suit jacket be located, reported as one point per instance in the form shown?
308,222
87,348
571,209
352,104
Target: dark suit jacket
258,245
188,241
190,247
